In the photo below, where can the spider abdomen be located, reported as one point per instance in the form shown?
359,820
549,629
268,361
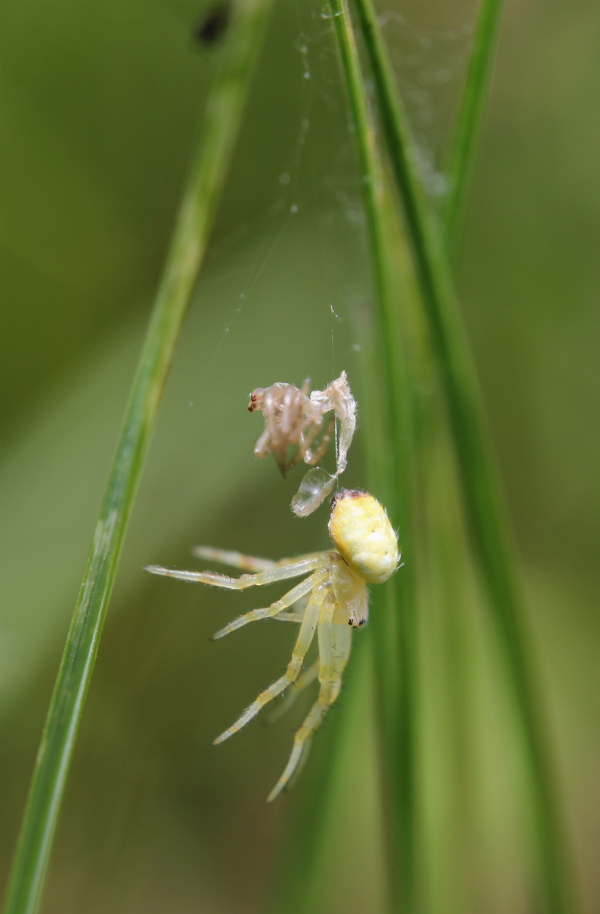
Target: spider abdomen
363,535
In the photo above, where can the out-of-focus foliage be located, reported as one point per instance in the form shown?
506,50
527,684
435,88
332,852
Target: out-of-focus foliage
100,113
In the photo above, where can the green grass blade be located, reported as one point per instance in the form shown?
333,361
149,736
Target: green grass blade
222,119
387,409
386,412
485,509
468,119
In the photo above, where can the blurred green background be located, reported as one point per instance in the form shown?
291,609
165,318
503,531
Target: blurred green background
100,109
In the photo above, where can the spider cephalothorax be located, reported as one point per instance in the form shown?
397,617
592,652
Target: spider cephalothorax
330,601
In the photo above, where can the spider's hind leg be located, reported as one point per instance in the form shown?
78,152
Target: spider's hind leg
334,650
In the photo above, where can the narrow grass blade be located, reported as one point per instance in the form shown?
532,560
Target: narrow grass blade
222,119
468,119
388,414
485,509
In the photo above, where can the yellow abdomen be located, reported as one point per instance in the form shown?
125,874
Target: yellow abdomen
361,532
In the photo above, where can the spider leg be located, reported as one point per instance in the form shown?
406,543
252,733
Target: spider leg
292,615
305,678
296,614
235,559
243,561
296,593
305,442
305,752
314,456
263,445
334,651
305,636
294,569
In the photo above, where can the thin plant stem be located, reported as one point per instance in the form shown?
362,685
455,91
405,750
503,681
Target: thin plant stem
491,539
390,468
220,128
466,128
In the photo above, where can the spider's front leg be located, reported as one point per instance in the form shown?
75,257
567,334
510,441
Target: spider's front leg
269,576
335,642
235,559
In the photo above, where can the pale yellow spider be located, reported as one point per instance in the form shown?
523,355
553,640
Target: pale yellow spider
331,601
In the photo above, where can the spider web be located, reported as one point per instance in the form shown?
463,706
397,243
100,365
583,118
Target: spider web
291,228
